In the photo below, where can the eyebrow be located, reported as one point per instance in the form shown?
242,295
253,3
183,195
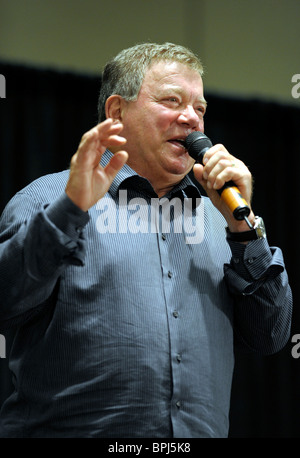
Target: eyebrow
203,101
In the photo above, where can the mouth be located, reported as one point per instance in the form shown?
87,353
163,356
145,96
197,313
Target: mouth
178,142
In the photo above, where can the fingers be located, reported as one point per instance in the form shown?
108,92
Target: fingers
107,133
95,141
220,167
116,163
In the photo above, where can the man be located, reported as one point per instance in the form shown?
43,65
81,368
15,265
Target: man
125,325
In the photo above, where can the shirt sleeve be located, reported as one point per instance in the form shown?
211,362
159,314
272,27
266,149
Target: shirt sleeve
37,242
257,278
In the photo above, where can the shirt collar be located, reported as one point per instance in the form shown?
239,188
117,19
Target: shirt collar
126,176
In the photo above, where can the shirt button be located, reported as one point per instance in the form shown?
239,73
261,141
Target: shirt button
236,260
178,404
178,357
170,274
175,314
250,260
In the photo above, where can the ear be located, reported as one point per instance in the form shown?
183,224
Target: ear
114,107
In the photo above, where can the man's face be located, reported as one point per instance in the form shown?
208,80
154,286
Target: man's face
170,105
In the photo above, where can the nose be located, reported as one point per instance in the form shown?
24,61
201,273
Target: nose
190,117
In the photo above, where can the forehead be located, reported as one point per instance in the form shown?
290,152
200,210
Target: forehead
164,74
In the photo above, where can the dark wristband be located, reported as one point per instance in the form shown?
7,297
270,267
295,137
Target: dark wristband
258,232
246,236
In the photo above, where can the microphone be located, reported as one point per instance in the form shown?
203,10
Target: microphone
197,144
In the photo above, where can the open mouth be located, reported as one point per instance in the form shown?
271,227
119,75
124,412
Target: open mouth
179,142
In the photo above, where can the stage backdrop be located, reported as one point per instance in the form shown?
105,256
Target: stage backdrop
42,119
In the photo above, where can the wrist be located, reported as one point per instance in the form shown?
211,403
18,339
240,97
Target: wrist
235,225
257,232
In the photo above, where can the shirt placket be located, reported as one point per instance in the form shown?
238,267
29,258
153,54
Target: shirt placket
173,311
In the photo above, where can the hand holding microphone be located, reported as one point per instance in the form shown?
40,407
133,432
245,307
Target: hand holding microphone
197,145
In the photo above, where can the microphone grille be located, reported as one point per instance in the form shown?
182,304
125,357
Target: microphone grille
203,140
197,143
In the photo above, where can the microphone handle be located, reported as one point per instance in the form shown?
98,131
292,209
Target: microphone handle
231,195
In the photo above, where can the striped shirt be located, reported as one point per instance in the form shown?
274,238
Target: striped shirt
126,315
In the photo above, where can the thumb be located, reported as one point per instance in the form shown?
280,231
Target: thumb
198,174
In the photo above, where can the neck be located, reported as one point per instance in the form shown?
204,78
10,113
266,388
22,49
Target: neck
161,183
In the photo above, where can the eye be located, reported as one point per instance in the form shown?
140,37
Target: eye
201,110
172,99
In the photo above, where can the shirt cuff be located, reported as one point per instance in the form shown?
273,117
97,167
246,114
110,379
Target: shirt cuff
253,264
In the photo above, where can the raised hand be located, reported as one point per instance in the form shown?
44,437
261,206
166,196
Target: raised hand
88,180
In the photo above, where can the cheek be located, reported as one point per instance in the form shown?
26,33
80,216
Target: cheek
162,117
150,126
202,126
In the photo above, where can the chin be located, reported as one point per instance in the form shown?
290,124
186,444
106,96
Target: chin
180,166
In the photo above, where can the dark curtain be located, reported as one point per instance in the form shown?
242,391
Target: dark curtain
42,119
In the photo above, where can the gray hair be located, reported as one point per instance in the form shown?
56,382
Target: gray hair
124,74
